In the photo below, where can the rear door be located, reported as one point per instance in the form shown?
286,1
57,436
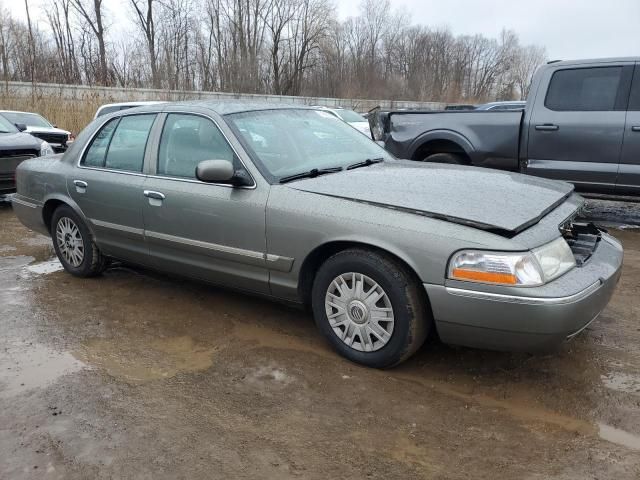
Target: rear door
576,130
629,170
107,185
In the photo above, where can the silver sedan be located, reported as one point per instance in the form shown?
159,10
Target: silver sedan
293,204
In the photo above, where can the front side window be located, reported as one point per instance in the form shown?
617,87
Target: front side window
188,140
584,89
121,144
286,142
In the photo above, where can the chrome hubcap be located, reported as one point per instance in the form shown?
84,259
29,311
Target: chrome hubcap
359,312
70,241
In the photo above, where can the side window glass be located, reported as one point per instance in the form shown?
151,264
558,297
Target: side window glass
186,141
584,89
634,99
97,152
128,144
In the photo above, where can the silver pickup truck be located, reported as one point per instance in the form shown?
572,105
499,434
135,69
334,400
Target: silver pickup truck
581,124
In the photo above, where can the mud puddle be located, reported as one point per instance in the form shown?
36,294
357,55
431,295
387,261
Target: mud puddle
29,366
136,360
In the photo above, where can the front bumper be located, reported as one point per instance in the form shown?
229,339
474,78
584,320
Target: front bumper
532,319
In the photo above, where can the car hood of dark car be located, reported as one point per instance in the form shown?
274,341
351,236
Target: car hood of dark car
18,141
503,202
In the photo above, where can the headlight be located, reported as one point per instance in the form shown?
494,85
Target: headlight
526,269
45,149
555,258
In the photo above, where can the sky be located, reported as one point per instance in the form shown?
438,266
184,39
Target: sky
568,29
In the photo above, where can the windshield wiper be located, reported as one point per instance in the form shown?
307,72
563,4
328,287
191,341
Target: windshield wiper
310,174
366,163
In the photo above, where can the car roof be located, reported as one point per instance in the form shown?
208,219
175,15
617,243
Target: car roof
594,60
18,111
223,107
140,103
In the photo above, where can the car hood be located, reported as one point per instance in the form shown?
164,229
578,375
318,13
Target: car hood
18,140
31,128
502,202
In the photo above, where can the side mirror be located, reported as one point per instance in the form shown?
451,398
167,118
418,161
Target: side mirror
215,171
20,126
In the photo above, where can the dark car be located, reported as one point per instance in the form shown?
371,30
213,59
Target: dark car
581,123
15,147
40,127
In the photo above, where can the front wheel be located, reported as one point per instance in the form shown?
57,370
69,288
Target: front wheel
370,308
74,244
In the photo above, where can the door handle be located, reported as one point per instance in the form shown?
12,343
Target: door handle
547,127
635,129
155,195
81,186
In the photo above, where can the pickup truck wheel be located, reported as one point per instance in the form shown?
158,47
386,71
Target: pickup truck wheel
452,158
74,244
370,308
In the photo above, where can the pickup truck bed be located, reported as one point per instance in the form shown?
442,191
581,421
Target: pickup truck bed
485,138
581,124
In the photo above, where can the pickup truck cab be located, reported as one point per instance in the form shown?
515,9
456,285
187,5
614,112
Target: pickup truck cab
581,124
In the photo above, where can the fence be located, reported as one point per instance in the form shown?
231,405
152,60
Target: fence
37,97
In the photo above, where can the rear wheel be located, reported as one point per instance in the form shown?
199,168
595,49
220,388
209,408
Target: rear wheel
74,244
451,158
370,308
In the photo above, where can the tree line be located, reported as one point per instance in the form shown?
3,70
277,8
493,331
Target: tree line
282,47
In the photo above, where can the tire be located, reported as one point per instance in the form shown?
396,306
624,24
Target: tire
451,158
351,320
69,230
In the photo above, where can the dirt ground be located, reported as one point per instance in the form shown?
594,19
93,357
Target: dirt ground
138,375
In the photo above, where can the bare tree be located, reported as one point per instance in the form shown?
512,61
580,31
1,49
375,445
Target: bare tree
93,17
144,10
528,59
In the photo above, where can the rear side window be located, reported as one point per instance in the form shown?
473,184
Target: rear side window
186,141
584,89
121,144
634,99
98,150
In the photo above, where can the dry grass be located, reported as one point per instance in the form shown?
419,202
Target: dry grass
69,114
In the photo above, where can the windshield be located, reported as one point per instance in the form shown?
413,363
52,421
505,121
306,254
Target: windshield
289,141
350,116
29,119
6,126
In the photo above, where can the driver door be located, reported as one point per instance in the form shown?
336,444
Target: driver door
210,231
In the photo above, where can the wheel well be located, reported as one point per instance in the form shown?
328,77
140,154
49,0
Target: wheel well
439,146
318,256
48,209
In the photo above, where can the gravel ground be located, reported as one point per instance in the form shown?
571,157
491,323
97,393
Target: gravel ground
138,375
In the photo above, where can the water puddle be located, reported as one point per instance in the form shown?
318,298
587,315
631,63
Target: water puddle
622,382
44,268
618,436
136,360
14,263
30,366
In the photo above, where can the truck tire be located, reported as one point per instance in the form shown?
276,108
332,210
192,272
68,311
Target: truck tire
451,158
